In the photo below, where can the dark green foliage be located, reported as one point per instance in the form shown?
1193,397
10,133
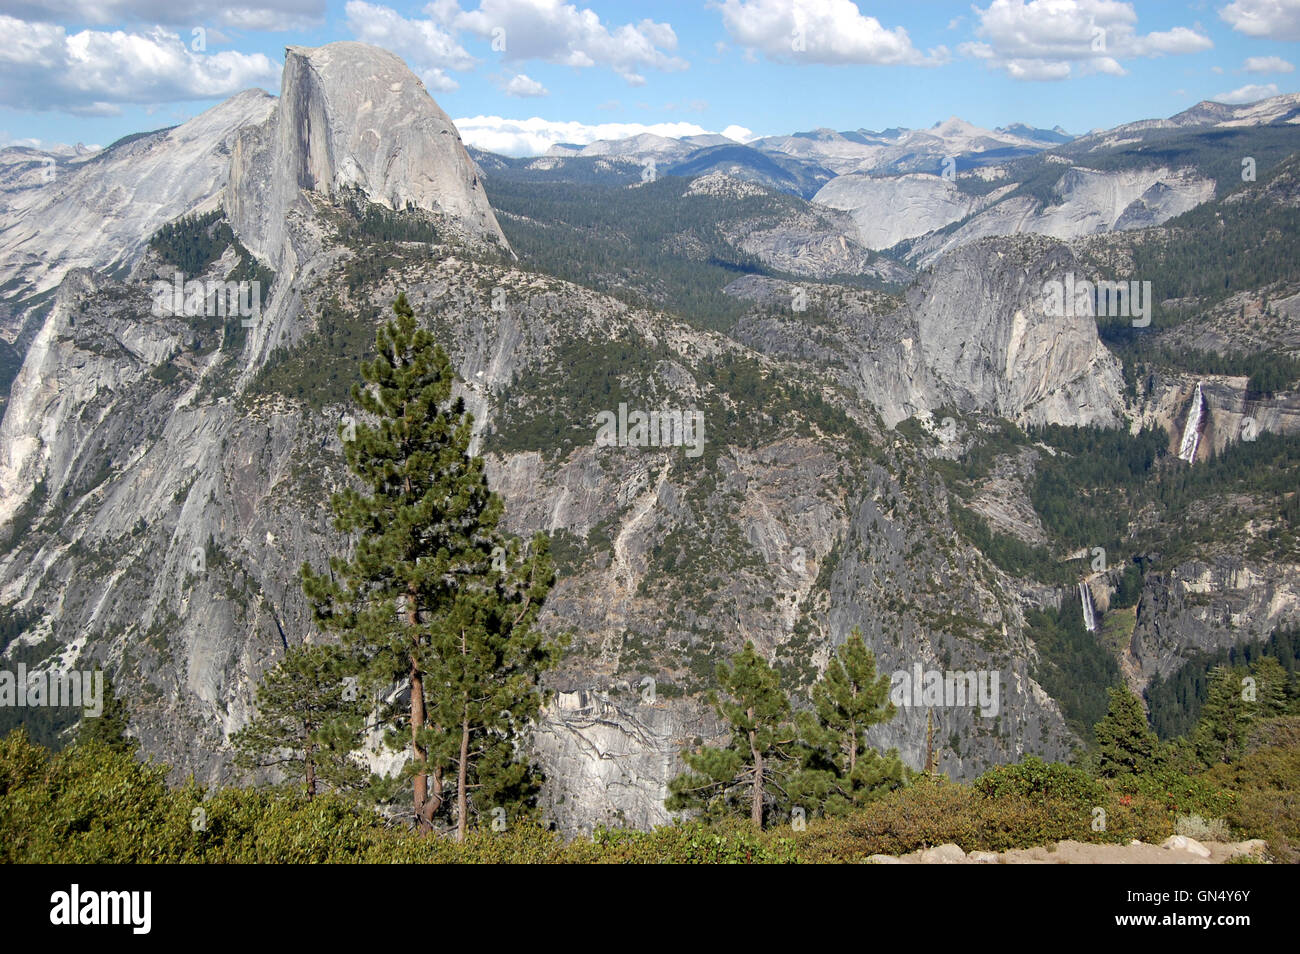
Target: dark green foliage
1226,717
1034,778
1009,553
1266,371
193,242
309,720
1129,588
1085,493
362,221
1175,701
1125,743
1220,248
11,362
109,728
648,244
434,596
747,774
554,408
321,369
1073,667
839,771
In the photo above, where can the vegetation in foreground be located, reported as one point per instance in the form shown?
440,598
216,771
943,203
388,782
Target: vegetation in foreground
94,803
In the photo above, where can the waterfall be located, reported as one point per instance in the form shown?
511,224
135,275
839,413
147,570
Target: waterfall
1192,430
1089,611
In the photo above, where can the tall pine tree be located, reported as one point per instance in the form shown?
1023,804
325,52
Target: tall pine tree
434,596
1126,745
1220,736
750,769
840,771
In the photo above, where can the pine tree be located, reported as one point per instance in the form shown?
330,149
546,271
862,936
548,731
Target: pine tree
1271,682
309,720
750,768
1126,745
110,726
839,770
421,600
492,657
1220,736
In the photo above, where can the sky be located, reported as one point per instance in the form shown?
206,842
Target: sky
519,75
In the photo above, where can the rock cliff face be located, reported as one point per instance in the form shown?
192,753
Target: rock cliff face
1085,202
889,210
351,115
98,211
971,335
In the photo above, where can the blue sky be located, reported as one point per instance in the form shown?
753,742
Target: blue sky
519,74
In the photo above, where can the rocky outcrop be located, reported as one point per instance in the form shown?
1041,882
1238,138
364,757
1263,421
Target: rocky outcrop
1086,202
99,211
888,210
352,116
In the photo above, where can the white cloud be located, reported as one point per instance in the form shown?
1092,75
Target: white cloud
739,133
555,32
523,86
532,137
1247,94
426,47
1272,19
256,15
1054,39
1267,64
92,72
820,31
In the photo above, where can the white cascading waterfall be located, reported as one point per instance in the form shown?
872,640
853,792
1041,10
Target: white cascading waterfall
1192,429
1089,611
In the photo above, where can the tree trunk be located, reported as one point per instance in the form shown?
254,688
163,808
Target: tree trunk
462,769
309,757
423,809
462,780
756,802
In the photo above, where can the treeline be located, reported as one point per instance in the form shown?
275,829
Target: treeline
1267,372
645,244
1087,493
193,242
1175,702
1074,668
1220,248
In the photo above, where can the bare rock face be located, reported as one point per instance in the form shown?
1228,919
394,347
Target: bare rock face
352,115
888,210
984,335
1087,202
99,211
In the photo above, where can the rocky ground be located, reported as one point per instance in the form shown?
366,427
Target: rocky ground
1175,850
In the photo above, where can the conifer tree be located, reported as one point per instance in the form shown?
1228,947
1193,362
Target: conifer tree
1126,745
1220,736
426,599
309,721
839,769
1271,682
491,657
751,768
110,726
